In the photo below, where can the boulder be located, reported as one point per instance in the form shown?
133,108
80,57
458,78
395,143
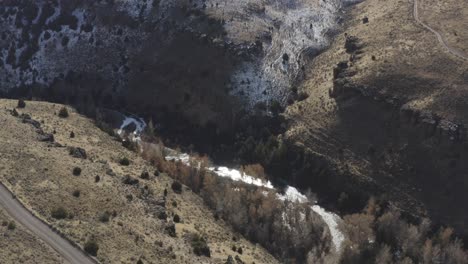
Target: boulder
78,153
46,137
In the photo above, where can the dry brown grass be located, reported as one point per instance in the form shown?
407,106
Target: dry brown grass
41,177
449,17
399,59
409,64
20,246
255,170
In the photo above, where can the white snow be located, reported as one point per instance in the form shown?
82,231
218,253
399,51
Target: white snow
221,171
291,194
140,125
237,175
297,28
183,157
331,220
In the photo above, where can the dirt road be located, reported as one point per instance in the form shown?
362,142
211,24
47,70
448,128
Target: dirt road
440,38
21,215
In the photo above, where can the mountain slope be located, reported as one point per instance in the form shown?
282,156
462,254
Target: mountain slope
388,105
128,220
232,55
64,248
19,245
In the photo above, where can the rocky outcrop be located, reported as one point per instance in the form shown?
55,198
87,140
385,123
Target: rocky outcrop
431,124
77,152
415,155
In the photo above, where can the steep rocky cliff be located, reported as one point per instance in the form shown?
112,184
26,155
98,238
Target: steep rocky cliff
202,59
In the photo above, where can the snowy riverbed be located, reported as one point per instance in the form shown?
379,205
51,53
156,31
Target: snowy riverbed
291,194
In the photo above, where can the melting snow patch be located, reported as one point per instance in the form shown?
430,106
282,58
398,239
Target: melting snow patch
293,195
236,175
331,220
139,123
184,157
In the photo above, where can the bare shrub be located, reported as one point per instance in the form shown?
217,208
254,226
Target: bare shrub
59,213
176,187
176,218
91,247
255,170
21,104
11,225
200,247
104,217
77,171
152,152
359,229
124,161
63,113
384,256
145,175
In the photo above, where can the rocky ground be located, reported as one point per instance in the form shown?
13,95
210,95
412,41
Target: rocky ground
232,54
129,220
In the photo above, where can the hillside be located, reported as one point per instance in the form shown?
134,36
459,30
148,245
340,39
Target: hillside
19,245
388,104
135,52
292,131
129,222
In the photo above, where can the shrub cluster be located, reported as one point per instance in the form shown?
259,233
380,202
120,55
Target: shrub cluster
104,217
63,113
76,193
21,103
91,247
144,175
77,171
11,225
176,187
124,161
176,218
59,213
199,246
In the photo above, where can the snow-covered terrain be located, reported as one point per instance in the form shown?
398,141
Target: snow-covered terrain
299,33
332,221
274,38
291,194
139,124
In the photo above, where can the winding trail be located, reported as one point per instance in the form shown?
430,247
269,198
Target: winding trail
439,36
20,214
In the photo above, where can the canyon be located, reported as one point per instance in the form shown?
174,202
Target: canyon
349,100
